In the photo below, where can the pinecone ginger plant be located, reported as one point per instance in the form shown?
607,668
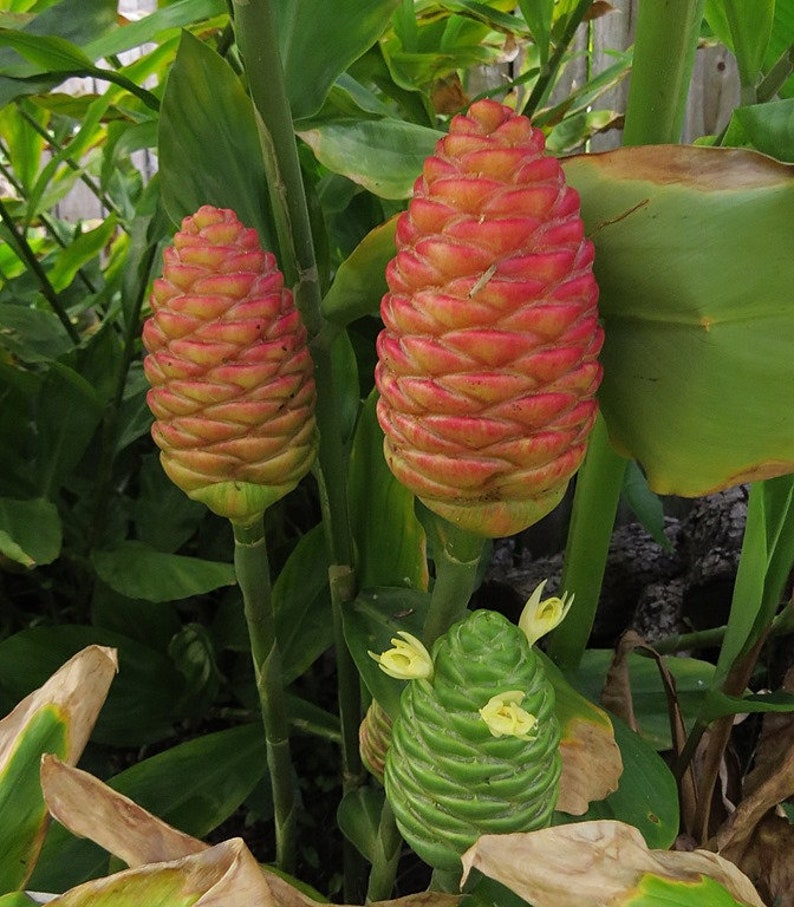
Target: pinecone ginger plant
487,364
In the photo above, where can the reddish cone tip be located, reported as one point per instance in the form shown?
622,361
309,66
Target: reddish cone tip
232,387
488,364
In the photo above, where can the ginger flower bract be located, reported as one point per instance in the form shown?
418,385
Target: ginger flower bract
505,717
540,616
408,660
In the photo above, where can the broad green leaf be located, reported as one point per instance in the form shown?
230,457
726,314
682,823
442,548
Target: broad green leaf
769,128
539,17
140,707
655,891
692,676
47,53
358,817
56,718
646,505
647,795
370,622
746,29
223,767
384,156
360,281
302,605
390,540
74,21
696,365
68,411
319,41
30,531
17,899
79,252
32,335
21,801
766,561
151,27
165,517
138,571
24,143
209,150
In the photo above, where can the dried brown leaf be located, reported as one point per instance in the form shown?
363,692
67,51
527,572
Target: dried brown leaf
590,864
591,764
91,809
78,689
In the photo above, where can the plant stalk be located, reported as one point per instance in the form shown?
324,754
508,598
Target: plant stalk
253,575
257,38
388,844
664,54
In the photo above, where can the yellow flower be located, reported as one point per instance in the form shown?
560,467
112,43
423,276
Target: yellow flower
408,660
540,617
505,717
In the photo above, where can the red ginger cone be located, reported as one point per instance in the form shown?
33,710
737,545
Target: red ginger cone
487,365
232,378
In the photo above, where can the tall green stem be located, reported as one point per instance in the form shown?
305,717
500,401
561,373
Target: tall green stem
664,53
595,503
257,38
253,575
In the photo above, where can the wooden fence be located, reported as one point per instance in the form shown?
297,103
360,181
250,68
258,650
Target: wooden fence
714,92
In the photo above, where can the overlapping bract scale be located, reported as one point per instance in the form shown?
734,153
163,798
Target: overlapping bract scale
448,778
232,387
488,360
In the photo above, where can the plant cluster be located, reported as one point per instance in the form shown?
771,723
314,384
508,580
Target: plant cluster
261,424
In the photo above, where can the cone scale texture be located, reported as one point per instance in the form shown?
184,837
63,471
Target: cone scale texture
232,387
487,364
448,779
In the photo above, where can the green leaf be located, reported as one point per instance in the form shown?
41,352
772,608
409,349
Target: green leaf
370,622
165,517
358,816
769,128
21,801
138,571
46,53
223,768
208,143
391,549
68,412
140,707
385,156
539,17
696,368
151,27
360,281
745,29
319,41
647,796
17,899
655,891
646,505
30,531
79,252
302,605
32,335
74,21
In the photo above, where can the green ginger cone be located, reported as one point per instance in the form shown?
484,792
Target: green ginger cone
232,380
475,748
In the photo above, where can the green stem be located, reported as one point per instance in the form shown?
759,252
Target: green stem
595,503
388,845
664,53
28,256
257,38
457,554
253,575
